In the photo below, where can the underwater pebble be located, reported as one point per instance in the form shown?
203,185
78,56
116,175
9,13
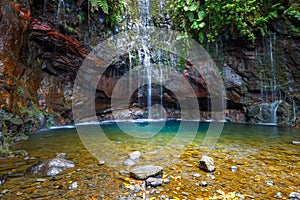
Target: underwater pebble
135,155
203,183
233,168
129,162
278,195
294,196
41,180
101,162
151,191
197,175
296,142
73,185
166,181
154,182
242,197
184,193
269,183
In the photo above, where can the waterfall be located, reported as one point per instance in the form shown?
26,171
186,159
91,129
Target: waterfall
144,53
273,110
61,5
269,90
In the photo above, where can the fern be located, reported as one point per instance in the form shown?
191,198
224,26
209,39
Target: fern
96,4
103,5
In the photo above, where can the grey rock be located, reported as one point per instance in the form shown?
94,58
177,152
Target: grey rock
294,196
233,168
154,182
135,155
184,193
203,183
41,180
278,195
197,175
296,142
50,167
207,164
101,162
240,196
61,155
74,185
144,172
166,181
129,162
269,183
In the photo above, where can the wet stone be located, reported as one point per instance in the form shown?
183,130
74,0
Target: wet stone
206,164
74,185
154,182
269,183
50,167
135,155
184,193
197,175
166,181
129,162
41,180
143,172
240,196
203,183
151,191
294,196
233,168
278,195
296,142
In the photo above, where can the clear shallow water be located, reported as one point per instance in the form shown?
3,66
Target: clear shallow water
261,153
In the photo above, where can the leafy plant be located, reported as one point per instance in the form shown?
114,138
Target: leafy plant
207,20
102,4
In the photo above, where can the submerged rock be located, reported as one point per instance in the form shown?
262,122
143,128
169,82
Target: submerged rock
294,196
296,142
50,167
154,182
207,164
129,162
144,172
135,155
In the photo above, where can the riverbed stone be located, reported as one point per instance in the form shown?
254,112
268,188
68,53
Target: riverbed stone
206,164
296,142
129,162
154,182
50,167
294,196
135,155
146,171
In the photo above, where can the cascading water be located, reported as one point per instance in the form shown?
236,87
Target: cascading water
269,90
60,5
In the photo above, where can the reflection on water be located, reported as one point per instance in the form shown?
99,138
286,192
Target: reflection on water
261,153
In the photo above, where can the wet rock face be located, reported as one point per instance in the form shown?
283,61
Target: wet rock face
51,167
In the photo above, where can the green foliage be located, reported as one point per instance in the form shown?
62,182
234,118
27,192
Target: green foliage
114,9
102,4
207,20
